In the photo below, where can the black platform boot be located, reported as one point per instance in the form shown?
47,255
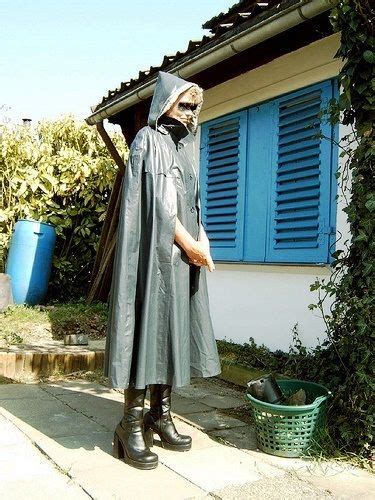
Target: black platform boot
129,440
159,420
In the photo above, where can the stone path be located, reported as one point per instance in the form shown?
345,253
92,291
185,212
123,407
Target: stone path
56,442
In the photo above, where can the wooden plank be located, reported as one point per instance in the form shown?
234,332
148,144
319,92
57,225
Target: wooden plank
10,369
110,215
111,218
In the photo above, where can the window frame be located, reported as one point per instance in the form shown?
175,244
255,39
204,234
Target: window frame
254,190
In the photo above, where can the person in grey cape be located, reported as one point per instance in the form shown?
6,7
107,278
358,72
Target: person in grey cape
159,329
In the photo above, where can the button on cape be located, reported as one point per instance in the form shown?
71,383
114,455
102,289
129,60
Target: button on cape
159,326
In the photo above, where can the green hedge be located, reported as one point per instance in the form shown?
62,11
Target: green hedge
58,172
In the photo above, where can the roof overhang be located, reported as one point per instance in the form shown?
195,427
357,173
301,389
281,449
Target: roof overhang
268,28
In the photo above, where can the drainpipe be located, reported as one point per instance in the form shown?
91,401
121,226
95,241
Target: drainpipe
274,25
111,147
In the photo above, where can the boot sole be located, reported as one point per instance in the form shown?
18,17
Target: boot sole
175,447
120,452
149,440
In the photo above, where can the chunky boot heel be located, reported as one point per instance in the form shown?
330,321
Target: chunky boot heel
118,450
149,437
159,419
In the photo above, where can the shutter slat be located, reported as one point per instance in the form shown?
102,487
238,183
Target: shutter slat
218,177
300,214
229,210
223,163
298,185
223,194
221,218
302,118
297,224
229,227
229,153
300,155
302,174
299,145
310,193
223,126
287,138
307,103
296,234
291,245
214,188
224,145
224,137
300,165
296,127
297,204
223,246
223,203
222,237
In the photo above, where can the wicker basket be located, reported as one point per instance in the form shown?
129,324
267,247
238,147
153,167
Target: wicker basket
288,431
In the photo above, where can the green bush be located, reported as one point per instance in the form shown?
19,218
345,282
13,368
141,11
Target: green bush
58,172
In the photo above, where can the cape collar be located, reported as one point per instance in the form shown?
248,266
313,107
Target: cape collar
177,130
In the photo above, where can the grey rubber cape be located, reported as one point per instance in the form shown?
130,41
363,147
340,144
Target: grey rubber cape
159,327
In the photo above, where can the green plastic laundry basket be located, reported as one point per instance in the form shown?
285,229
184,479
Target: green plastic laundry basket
288,431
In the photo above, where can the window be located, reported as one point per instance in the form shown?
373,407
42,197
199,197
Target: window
268,184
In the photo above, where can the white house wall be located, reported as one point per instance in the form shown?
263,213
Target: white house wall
265,301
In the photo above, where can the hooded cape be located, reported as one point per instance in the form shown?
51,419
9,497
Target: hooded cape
149,293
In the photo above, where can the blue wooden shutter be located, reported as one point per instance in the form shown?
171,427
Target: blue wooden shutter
222,176
258,181
299,222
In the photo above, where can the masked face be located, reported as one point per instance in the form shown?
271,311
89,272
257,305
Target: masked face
187,107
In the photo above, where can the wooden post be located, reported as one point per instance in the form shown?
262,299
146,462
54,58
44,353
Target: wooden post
104,257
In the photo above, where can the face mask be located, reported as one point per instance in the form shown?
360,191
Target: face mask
183,107
186,111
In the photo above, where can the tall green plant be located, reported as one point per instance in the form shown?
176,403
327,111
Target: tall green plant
58,172
345,360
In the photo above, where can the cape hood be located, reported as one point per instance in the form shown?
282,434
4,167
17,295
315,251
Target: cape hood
167,90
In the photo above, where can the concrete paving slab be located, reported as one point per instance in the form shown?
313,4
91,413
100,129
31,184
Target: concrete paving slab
103,411
183,405
76,386
15,460
200,440
26,473
23,408
120,481
192,391
42,487
21,391
272,489
79,453
7,437
221,401
243,437
287,464
212,468
213,419
216,385
67,423
341,480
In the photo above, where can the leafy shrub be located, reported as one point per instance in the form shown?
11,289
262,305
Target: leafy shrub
58,172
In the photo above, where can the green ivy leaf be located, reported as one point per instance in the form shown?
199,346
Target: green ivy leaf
369,56
370,203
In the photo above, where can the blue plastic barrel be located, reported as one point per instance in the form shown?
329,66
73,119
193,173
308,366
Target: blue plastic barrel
29,260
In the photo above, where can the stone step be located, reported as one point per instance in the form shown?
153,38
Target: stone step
46,359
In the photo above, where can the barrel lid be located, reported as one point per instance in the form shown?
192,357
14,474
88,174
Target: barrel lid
38,221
